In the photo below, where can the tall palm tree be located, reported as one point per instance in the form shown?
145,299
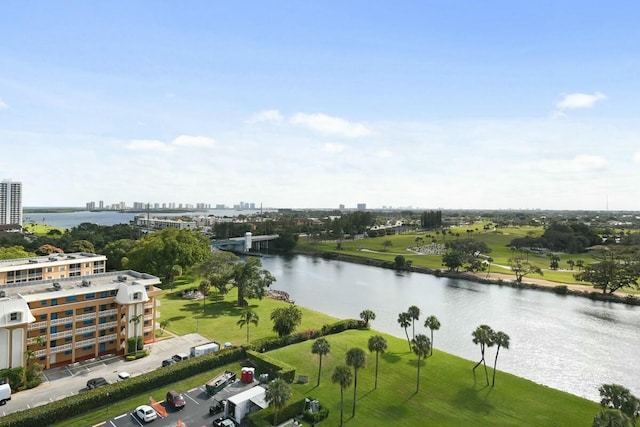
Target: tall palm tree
204,288
357,358
489,262
247,317
421,347
501,340
378,344
366,316
404,319
321,347
433,324
483,335
136,321
278,393
414,312
342,375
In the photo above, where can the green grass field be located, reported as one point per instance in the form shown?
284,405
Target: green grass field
448,394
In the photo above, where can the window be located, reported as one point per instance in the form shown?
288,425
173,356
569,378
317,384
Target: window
67,352
15,316
49,269
87,265
54,301
103,294
71,298
54,329
90,296
88,309
137,296
68,312
61,268
68,339
87,335
88,322
43,317
43,303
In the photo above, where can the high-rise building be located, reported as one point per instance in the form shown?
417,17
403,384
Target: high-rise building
362,206
10,202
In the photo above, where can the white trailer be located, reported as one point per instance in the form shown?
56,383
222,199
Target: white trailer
5,393
245,403
207,348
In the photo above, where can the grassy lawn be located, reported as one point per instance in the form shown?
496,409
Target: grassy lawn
41,229
448,395
217,318
497,240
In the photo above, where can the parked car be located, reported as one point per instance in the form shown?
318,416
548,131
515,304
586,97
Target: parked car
226,422
180,357
175,399
168,362
5,393
216,406
146,413
124,375
96,382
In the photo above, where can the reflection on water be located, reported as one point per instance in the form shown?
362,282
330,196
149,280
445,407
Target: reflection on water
569,343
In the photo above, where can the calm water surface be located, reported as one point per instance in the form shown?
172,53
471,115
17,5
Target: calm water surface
568,343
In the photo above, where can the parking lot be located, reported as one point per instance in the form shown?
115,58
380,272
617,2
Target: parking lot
194,414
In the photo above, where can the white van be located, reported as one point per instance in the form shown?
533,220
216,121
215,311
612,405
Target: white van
180,357
5,393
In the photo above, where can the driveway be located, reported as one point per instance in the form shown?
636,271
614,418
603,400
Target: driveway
69,380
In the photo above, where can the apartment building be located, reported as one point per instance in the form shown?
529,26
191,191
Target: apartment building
10,202
58,313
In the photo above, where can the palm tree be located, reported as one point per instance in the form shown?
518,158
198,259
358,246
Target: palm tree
404,319
342,376
433,324
421,347
136,321
278,393
204,288
366,316
414,312
378,344
501,340
483,335
357,358
321,347
489,261
164,324
247,317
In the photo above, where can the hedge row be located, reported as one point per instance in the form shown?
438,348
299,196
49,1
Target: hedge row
264,418
275,369
79,403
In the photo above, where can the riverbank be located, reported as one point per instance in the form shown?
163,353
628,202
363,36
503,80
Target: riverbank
492,278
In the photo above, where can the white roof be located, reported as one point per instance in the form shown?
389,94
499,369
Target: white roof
252,394
15,305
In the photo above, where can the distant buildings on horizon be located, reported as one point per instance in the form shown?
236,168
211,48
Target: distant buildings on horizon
10,202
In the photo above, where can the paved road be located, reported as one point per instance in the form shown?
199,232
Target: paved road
67,381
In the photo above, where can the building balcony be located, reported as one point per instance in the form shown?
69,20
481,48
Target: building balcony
61,321
106,338
63,334
85,343
61,348
86,316
108,325
37,325
111,312
85,330
32,340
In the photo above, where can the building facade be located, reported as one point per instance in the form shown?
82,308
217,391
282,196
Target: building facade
61,318
10,202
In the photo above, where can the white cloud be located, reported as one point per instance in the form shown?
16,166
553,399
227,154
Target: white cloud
585,163
147,145
333,148
273,116
3,105
636,157
331,125
193,141
579,100
384,154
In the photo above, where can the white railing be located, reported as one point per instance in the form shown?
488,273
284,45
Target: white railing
86,316
85,343
33,340
111,312
37,325
147,329
40,353
85,330
108,325
62,334
61,321
106,338
148,317
61,348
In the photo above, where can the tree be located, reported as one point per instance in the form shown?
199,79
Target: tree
483,335
357,358
523,268
204,288
47,249
156,253
286,319
421,346
571,264
115,251
176,271
615,396
613,271
321,347
13,252
278,393
501,340
82,246
404,319
367,316
342,375
611,418
453,260
399,261
433,324
247,317
554,261
251,280
378,344
164,324
489,261
136,319
414,312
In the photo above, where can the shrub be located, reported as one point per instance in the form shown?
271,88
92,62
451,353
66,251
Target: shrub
561,289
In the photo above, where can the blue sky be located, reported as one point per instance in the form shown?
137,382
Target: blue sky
447,104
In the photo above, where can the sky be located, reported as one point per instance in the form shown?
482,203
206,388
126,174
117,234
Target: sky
421,104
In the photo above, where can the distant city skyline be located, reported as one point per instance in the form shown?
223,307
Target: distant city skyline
492,105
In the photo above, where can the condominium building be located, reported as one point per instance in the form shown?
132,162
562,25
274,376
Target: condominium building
10,202
57,313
